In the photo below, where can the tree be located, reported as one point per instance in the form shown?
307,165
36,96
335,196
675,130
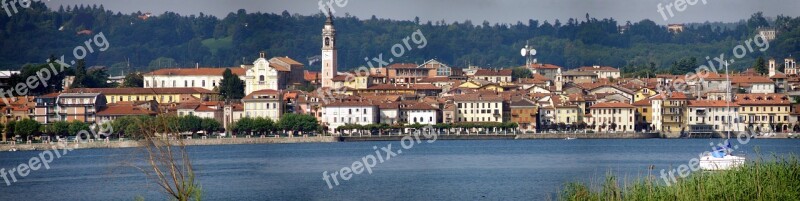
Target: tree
190,123
244,126
133,80
9,130
298,122
760,66
76,127
210,125
59,128
520,72
26,127
231,87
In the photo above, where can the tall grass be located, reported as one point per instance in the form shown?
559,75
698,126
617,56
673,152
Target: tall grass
774,179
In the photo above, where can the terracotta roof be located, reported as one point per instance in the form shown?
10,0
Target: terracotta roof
310,75
434,79
287,60
599,68
644,102
404,86
123,109
542,66
402,65
711,103
252,95
197,71
762,99
487,72
417,106
339,78
611,105
477,97
279,67
169,90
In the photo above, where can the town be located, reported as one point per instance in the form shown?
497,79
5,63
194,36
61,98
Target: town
405,97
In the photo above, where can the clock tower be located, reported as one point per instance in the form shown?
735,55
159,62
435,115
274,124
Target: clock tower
328,52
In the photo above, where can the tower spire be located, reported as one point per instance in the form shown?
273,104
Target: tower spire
329,21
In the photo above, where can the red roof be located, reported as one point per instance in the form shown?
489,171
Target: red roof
487,72
711,103
611,105
197,71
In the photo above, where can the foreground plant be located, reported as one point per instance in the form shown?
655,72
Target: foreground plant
168,159
775,179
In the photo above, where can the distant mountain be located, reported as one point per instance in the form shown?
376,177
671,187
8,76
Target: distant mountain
142,42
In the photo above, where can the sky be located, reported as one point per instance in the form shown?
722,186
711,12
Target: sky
494,11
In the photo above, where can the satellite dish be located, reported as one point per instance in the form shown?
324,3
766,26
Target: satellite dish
523,52
533,52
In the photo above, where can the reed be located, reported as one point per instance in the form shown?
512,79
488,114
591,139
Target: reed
777,178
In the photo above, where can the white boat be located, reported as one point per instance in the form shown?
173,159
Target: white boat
724,162
570,138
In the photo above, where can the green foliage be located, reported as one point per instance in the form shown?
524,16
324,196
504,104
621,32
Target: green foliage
76,127
172,40
209,125
26,127
59,128
299,122
190,123
88,78
773,179
133,80
520,72
760,66
231,87
9,128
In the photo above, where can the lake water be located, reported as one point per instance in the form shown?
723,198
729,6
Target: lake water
442,170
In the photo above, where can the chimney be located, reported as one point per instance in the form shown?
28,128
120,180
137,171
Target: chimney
262,54
596,66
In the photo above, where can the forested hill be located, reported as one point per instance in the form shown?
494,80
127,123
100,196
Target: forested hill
141,43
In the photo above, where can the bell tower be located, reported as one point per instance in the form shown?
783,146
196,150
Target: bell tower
328,52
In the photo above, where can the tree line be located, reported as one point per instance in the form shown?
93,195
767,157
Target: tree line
141,43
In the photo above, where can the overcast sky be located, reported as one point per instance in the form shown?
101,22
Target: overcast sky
502,11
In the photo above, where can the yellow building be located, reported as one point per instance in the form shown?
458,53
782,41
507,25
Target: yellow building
643,94
765,112
161,95
568,114
644,114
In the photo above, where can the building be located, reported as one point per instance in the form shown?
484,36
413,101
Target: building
768,33
644,114
419,113
276,74
206,78
495,76
478,108
614,116
675,28
266,103
576,76
113,111
329,53
669,112
162,95
604,72
524,113
790,66
713,116
337,114
79,106
765,112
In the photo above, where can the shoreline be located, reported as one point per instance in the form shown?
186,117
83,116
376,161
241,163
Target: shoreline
331,139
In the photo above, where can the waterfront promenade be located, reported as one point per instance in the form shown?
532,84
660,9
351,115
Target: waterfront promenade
322,139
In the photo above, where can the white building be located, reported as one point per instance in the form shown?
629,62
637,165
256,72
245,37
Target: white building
478,108
713,115
340,113
602,71
265,103
419,113
608,113
206,78
389,113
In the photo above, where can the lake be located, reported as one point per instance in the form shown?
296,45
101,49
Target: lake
442,170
